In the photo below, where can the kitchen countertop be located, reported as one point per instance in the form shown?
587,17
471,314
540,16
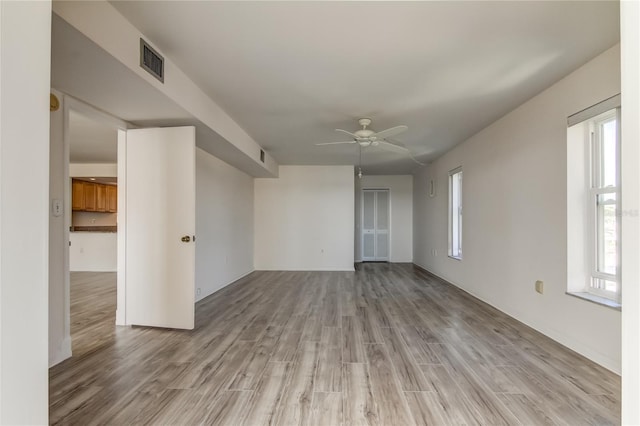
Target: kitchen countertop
111,229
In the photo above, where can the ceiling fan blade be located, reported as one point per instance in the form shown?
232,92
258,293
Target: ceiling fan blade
393,147
399,149
416,160
390,132
348,133
334,143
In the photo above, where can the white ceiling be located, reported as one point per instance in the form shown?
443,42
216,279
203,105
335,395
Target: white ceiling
291,72
91,141
83,70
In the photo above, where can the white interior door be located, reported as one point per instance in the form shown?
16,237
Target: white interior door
375,225
160,227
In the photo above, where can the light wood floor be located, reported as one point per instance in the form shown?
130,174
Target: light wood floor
387,345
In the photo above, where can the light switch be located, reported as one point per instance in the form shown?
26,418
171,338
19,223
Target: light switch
56,207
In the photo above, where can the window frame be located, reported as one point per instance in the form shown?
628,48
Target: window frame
595,190
455,174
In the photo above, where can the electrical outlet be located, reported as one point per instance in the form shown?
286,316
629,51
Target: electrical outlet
198,291
540,286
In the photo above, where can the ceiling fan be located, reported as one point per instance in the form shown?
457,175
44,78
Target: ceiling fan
366,137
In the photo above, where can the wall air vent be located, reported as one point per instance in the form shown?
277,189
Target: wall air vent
151,60
262,156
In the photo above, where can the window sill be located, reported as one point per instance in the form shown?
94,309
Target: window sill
597,300
459,258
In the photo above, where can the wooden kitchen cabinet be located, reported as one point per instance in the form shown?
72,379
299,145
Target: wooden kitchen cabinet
77,195
90,190
93,197
101,198
112,198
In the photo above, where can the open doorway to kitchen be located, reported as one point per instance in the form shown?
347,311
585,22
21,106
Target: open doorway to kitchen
82,225
92,185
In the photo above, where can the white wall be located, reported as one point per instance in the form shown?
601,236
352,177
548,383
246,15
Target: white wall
514,225
93,251
94,219
224,224
578,267
401,198
630,41
24,207
304,219
93,169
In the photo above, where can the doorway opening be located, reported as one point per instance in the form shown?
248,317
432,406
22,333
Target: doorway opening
91,179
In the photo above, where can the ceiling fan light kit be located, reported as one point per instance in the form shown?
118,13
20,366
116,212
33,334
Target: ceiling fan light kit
366,137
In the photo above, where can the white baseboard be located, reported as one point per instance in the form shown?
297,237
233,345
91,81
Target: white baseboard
120,317
239,277
62,352
352,269
225,285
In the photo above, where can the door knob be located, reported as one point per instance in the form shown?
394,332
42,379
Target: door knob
186,239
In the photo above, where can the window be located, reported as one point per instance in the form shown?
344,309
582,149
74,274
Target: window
455,213
603,219
593,203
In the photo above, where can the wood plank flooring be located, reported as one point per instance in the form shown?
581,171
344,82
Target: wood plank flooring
93,313
386,345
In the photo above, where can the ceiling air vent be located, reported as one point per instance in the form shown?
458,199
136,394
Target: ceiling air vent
151,60
262,156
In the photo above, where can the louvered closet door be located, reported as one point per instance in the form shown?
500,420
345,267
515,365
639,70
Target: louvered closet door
382,225
368,225
375,225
